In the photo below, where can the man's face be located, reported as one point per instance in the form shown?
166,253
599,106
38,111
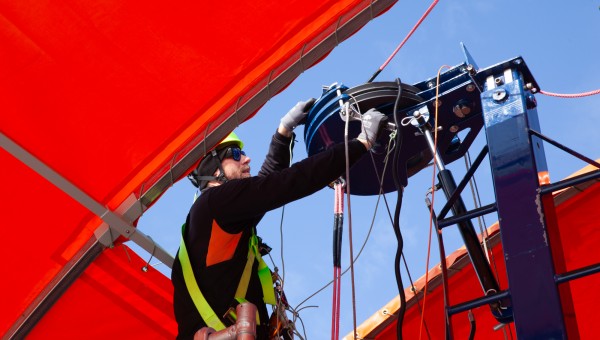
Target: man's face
235,169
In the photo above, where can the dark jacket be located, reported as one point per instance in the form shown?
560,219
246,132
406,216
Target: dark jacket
221,221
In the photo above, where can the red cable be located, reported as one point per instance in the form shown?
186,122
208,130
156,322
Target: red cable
409,34
573,95
335,317
338,212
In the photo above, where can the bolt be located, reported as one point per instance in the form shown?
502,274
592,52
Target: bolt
430,84
529,86
461,110
530,101
453,128
438,103
499,81
471,69
499,95
470,88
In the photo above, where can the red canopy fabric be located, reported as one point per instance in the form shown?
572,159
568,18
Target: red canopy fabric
577,215
113,298
114,96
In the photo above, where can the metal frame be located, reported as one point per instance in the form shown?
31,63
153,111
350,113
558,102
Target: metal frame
541,302
516,160
115,221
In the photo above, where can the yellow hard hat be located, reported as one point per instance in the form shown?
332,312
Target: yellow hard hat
210,162
232,138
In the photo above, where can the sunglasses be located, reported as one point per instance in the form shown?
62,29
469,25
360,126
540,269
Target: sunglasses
235,153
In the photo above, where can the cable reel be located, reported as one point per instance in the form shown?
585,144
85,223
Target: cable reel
325,127
459,110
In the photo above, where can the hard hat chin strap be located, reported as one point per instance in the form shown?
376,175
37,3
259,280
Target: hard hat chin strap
221,177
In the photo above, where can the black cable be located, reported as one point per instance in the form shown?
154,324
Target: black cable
412,284
400,191
374,76
473,325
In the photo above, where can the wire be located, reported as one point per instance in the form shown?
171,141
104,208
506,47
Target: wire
571,95
350,223
444,267
435,140
368,233
473,325
302,323
391,147
347,268
280,308
281,249
412,284
380,179
403,41
396,224
481,219
477,204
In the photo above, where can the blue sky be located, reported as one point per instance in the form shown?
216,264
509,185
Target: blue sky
559,41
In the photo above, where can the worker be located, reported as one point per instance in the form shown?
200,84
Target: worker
219,235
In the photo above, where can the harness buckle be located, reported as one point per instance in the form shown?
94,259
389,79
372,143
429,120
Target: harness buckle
230,316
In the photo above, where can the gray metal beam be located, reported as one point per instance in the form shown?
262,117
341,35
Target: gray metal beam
115,221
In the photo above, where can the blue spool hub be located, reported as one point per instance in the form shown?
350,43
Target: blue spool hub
325,127
457,89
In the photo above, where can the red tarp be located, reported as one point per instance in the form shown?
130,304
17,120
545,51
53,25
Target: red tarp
113,298
577,215
111,95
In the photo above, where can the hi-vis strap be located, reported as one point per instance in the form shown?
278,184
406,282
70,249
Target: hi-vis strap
264,273
206,312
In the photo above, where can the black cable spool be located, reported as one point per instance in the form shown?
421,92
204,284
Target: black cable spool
459,120
325,128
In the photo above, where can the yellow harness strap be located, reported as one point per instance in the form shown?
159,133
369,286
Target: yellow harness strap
242,288
206,312
264,273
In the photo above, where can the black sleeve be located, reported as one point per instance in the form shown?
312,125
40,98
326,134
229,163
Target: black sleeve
279,155
243,198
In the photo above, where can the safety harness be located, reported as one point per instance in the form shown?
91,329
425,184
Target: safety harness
206,312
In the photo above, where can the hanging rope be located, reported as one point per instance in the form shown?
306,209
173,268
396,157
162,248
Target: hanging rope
403,41
571,95
435,139
351,247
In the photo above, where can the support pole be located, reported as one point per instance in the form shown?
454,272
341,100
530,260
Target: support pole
518,164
